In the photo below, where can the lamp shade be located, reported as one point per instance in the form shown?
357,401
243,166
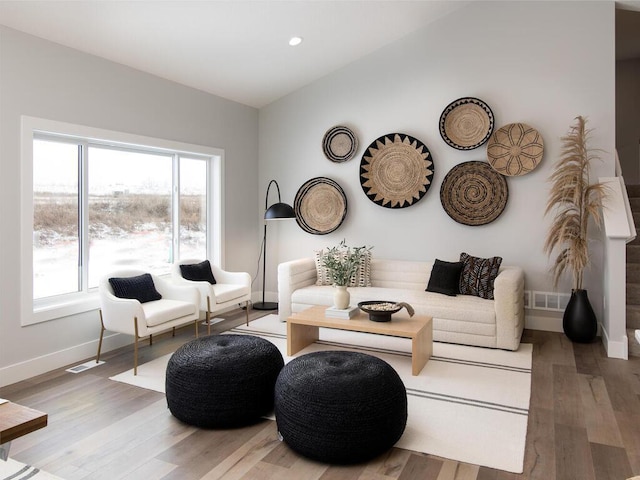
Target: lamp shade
279,210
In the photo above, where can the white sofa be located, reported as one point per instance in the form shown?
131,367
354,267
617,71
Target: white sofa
462,319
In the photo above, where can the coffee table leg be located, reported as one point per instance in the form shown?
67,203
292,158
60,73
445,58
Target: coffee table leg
300,336
4,451
421,348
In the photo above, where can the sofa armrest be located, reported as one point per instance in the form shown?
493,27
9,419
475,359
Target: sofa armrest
508,291
293,275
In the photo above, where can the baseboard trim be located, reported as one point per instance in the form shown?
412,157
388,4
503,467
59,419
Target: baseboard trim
617,349
45,363
543,321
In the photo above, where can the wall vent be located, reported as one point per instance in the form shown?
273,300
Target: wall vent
551,301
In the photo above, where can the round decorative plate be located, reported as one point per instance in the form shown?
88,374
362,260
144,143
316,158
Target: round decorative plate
515,149
396,170
466,123
320,206
473,193
339,144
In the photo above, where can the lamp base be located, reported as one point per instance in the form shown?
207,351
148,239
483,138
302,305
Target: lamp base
265,306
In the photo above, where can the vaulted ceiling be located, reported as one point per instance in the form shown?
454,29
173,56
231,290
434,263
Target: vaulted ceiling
235,49
238,49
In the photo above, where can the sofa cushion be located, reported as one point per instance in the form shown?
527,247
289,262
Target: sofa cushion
362,277
165,310
139,287
461,308
478,275
198,272
445,278
400,274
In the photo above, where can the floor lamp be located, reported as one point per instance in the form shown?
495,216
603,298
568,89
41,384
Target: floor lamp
277,211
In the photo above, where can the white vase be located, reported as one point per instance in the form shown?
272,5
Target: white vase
341,297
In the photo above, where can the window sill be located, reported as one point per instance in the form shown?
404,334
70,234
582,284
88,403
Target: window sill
59,309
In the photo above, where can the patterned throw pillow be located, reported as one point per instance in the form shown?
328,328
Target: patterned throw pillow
478,275
362,277
139,288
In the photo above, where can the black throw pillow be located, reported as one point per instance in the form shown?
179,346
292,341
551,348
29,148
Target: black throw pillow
139,288
445,278
198,272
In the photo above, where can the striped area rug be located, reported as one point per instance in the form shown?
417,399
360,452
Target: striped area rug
14,470
468,404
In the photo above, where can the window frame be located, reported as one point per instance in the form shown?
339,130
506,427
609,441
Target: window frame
42,310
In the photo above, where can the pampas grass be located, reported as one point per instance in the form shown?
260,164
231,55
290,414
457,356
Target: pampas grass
573,201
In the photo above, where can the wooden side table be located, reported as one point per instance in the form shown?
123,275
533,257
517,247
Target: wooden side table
15,421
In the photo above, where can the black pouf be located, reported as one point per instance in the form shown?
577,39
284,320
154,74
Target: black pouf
222,381
340,407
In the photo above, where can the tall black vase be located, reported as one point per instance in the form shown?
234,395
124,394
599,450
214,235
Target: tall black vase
579,321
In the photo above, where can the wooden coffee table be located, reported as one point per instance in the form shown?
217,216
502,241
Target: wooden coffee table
303,329
15,421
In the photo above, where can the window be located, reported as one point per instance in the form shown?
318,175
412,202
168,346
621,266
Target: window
101,201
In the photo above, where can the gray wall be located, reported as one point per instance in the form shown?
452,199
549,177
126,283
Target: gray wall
43,79
541,63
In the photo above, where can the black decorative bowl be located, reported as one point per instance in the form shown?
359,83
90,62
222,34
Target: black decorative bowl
379,315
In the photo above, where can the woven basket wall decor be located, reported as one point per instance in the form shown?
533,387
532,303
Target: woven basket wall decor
466,123
339,144
473,193
515,149
320,205
396,170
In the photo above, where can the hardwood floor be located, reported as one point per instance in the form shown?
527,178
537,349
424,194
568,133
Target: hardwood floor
584,424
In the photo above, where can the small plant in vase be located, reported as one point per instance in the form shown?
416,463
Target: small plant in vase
342,264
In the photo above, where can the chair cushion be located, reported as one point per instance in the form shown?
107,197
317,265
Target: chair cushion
139,288
198,272
227,291
165,310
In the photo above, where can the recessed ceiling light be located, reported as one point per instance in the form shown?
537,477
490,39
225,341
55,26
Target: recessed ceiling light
295,41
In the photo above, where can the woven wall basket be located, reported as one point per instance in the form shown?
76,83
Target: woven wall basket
466,123
320,205
473,193
396,170
515,149
339,144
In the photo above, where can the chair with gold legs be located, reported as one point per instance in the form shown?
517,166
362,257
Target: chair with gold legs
137,303
219,289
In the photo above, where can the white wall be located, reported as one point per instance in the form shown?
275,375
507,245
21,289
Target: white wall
628,118
541,63
46,80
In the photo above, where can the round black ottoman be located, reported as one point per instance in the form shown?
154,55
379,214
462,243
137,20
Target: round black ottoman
222,381
340,407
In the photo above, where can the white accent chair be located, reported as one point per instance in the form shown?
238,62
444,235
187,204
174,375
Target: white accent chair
230,289
178,306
